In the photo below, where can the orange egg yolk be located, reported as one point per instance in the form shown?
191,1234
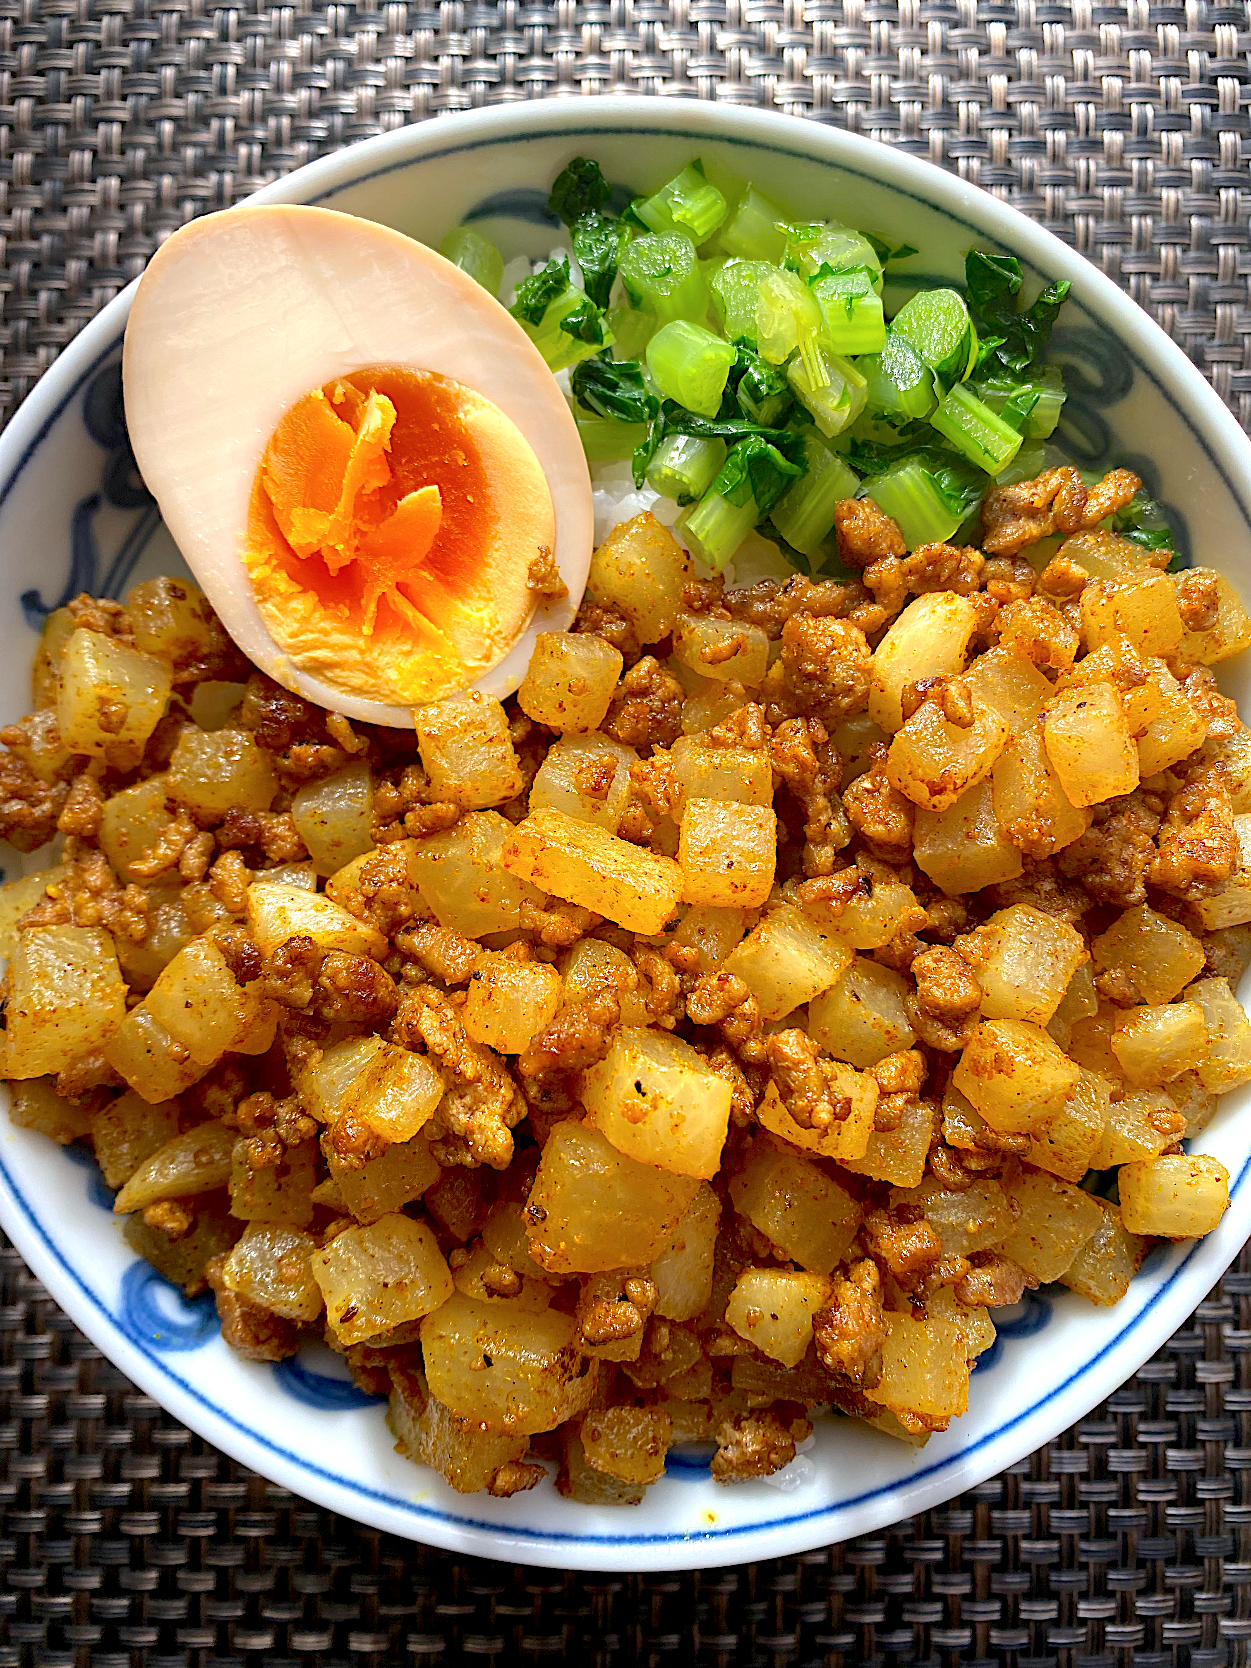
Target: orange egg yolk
384,542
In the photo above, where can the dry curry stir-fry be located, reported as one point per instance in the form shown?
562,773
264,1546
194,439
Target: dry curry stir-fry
721,1028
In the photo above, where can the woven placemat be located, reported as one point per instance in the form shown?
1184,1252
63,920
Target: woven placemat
125,1541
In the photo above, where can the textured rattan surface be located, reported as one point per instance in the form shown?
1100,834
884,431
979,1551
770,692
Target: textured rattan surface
124,1539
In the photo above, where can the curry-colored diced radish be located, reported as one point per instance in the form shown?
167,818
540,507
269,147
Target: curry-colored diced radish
734,775
787,960
773,1309
855,738
18,898
1014,1075
506,1368
1234,752
1157,1044
1024,960
1067,1143
727,853
932,761
863,1017
377,1277
640,570
570,680
392,1090
1119,663
126,1131
1103,1267
712,933
281,1192
35,1104
1229,635
1228,1062
1141,606
628,1443
898,1155
1054,1220
657,1101
462,876
1178,1196
1080,1001
582,864
172,619
1088,742
131,821
111,697
197,1000
1176,730
272,1265
66,999
925,1368
683,1271
587,777
467,751
37,743
1031,806
591,965
593,1208
509,1002
875,913
278,913
401,1173
844,1140
198,1161
184,1261
724,650
1010,685
142,1051
1231,905
225,771
974,1219
1138,1126
333,817
929,639
964,848
466,1454
1159,955
795,1205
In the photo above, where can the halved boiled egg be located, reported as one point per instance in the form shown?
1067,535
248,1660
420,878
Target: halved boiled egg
363,459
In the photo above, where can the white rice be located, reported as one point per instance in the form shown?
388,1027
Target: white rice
800,1472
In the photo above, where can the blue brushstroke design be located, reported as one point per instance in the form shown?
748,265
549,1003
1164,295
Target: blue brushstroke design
121,487
98,1191
320,1390
157,1315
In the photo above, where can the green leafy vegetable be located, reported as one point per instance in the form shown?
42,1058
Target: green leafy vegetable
755,469
614,388
883,250
597,243
756,389
1010,340
586,323
580,189
535,295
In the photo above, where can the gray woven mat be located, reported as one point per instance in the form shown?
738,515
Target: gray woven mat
126,1542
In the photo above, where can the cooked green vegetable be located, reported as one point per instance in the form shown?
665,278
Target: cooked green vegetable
475,255
744,360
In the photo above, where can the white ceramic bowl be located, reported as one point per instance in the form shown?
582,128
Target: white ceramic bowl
73,517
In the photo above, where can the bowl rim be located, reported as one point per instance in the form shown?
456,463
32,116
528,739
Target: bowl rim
1196,1271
